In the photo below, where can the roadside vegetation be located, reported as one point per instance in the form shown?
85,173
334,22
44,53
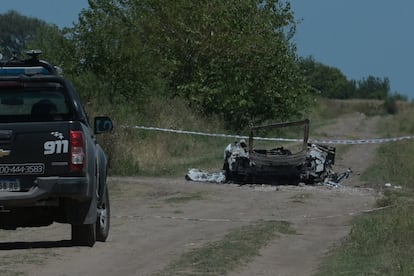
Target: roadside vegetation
382,242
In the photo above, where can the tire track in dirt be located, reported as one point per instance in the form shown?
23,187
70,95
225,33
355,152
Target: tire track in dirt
356,157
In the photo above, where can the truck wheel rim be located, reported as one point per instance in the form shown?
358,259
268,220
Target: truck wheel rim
103,217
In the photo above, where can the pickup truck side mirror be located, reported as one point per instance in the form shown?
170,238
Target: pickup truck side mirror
103,124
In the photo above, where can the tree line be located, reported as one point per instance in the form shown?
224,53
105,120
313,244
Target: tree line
231,59
331,83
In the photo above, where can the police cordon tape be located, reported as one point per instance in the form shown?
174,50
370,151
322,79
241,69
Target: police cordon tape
316,141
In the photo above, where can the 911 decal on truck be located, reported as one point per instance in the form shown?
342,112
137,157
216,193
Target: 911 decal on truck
56,146
52,168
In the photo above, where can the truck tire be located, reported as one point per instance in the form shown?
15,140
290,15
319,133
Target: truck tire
103,219
83,234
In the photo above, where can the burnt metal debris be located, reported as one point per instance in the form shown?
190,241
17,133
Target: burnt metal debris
246,164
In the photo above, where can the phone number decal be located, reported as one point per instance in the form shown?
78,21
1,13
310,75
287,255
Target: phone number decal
28,168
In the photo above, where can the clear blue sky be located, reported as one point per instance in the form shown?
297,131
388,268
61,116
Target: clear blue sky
359,37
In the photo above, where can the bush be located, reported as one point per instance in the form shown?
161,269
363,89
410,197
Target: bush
390,105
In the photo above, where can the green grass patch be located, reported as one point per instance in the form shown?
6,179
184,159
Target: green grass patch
236,248
381,243
393,165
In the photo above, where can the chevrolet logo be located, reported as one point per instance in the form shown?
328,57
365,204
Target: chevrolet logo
4,153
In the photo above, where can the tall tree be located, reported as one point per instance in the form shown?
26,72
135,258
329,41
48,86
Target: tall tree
327,81
374,88
110,45
232,58
56,46
15,31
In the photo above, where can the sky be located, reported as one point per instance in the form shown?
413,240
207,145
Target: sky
359,37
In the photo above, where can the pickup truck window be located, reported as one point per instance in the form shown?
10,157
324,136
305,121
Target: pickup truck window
34,104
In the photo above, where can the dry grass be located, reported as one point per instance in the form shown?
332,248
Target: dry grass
155,153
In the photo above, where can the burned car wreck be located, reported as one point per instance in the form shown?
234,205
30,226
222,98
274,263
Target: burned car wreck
301,162
310,164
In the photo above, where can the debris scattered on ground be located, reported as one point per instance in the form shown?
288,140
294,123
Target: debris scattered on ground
204,176
389,185
335,180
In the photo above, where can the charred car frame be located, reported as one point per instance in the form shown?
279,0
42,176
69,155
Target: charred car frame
312,164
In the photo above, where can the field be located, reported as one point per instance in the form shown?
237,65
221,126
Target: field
170,226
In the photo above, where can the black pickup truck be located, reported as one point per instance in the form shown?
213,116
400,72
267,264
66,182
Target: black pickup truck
52,168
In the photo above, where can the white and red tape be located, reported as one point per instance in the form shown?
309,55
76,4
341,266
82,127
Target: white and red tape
316,141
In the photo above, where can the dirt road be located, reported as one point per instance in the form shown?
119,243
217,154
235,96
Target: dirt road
155,220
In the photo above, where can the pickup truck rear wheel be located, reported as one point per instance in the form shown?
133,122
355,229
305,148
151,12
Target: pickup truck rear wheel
102,222
83,234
